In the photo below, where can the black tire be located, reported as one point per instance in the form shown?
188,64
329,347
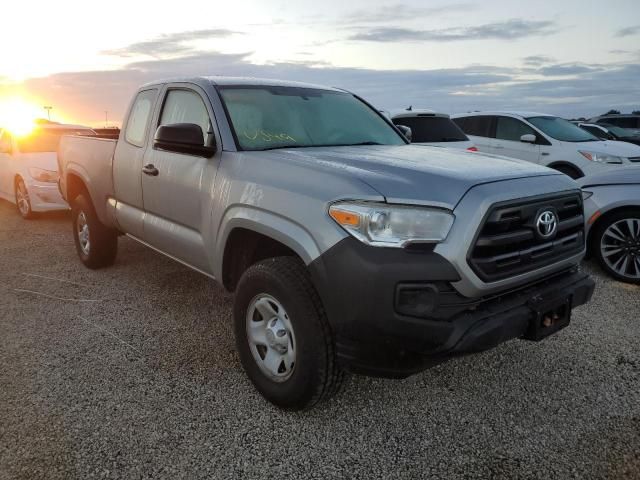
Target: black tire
102,241
316,376
569,171
23,202
600,229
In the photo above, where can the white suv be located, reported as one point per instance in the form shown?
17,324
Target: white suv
547,140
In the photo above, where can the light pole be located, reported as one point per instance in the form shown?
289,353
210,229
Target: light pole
106,122
48,108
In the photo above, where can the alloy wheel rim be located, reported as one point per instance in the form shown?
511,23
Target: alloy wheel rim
22,199
620,247
271,337
83,233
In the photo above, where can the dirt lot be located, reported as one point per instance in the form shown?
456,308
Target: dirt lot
131,372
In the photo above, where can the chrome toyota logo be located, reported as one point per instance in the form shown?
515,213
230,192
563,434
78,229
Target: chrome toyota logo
546,223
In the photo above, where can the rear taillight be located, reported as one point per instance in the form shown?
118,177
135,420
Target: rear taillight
472,149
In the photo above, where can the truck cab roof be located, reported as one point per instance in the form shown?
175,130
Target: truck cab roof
220,80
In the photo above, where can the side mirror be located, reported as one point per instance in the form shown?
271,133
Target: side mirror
182,138
528,138
406,131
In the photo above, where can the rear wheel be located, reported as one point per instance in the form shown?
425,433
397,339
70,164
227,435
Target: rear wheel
23,202
96,244
283,336
569,171
617,245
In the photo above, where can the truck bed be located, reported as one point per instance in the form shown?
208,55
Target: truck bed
90,158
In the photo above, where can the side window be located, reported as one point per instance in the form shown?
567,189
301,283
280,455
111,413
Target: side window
139,118
185,106
479,126
508,128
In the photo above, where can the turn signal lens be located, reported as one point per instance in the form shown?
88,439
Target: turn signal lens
346,219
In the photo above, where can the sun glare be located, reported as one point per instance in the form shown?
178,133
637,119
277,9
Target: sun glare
18,115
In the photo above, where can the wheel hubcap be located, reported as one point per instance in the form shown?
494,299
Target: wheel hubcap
620,247
271,338
22,197
83,233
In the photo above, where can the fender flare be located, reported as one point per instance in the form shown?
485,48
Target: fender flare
270,224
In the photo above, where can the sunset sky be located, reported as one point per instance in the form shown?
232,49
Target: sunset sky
569,57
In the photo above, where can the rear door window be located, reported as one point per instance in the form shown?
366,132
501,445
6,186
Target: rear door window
479,126
136,132
432,129
512,129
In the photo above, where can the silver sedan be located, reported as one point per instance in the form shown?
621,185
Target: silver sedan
612,213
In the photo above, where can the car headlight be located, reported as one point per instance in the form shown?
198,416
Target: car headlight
41,175
601,157
386,225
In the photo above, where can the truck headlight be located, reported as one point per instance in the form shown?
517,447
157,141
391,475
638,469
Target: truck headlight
41,175
601,157
386,225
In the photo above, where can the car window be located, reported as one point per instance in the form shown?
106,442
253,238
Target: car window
479,125
139,118
595,131
508,128
432,129
185,106
561,129
47,139
623,122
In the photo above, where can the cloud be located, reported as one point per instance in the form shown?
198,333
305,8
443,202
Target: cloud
507,30
625,32
399,12
535,60
570,90
169,44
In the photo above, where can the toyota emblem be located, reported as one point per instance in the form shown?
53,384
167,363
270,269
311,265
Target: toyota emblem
546,223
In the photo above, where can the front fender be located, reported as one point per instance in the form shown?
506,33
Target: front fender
270,224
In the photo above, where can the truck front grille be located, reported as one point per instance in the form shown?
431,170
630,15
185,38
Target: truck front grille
510,241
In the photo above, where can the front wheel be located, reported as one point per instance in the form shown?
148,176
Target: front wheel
283,336
23,202
96,244
616,244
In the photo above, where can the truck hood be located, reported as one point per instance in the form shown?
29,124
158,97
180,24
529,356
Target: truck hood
413,174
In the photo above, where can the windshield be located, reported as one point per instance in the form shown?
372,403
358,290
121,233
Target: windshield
432,129
266,117
46,140
622,132
562,130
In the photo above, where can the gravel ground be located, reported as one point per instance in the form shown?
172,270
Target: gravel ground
131,372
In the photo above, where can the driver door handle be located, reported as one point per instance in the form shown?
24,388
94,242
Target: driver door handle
150,169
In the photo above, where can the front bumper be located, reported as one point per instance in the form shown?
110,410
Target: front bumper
362,291
46,197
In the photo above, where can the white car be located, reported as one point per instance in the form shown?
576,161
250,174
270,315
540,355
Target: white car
431,128
547,140
29,168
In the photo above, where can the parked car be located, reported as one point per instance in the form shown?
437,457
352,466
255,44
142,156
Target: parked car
611,132
612,211
547,140
346,247
28,168
619,120
431,128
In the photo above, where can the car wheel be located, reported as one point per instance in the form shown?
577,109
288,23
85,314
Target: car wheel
283,336
569,171
23,202
617,245
96,244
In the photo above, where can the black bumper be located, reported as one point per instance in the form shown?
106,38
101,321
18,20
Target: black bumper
394,313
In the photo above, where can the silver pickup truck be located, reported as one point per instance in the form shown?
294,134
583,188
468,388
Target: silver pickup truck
348,249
